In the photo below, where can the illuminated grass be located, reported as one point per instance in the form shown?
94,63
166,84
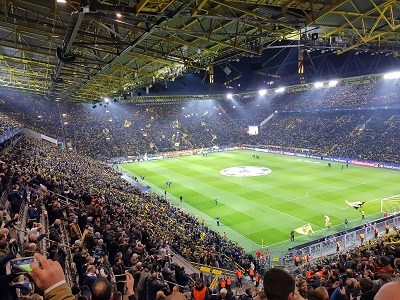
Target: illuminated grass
268,207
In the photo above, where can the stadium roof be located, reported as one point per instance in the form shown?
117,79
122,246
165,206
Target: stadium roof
83,50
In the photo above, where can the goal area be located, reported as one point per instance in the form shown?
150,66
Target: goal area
391,204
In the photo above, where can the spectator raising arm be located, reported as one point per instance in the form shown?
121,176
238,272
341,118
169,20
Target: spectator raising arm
50,278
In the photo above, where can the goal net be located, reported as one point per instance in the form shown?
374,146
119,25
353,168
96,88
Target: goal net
390,204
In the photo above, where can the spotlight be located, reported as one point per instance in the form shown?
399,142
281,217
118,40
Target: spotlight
318,85
229,96
262,92
392,75
106,99
280,90
333,83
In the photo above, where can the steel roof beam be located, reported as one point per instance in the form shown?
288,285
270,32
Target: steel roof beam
68,41
324,11
138,40
197,7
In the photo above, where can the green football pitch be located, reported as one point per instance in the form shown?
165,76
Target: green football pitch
260,211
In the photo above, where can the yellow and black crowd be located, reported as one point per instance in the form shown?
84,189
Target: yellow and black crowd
95,225
96,236
339,121
58,206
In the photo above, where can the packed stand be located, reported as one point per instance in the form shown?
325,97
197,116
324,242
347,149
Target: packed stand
336,121
358,273
105,223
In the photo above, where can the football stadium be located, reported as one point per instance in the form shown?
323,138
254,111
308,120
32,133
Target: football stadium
199,149
276,195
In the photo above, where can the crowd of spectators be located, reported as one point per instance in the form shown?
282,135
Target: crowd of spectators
105,223
110,227
64,205
352,121
357,273
7,124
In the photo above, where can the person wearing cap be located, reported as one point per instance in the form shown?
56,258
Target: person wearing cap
200,291
25,289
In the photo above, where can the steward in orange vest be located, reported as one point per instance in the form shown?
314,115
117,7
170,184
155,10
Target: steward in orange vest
296,260
239,275
251,273
200,291
222,283
257,280
228,283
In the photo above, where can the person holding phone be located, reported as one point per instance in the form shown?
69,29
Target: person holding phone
50,278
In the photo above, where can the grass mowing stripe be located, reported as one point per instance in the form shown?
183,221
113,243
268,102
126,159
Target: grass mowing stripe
268,207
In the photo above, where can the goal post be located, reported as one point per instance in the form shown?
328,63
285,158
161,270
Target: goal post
391,204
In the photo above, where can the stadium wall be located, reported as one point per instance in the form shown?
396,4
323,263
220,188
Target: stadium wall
39,136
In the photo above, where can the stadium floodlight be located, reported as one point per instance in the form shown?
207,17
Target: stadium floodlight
333,83
319,85
61,1
280,90
229,96
262,92
106,99
392,75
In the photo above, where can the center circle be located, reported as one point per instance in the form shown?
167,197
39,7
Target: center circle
245,171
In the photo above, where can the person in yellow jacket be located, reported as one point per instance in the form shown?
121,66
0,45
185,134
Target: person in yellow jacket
362,236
